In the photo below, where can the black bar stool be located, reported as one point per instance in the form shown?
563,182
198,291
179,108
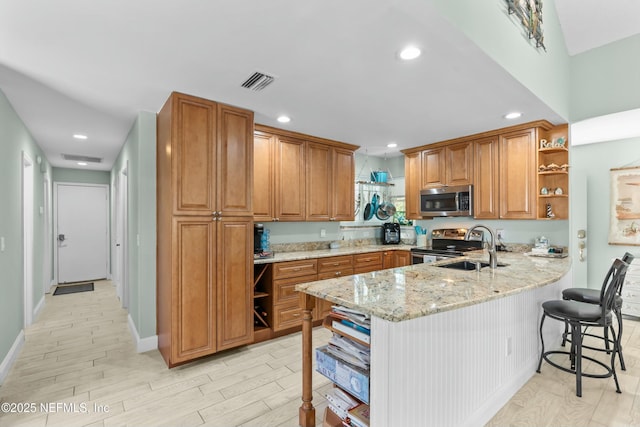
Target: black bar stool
593,296
579,315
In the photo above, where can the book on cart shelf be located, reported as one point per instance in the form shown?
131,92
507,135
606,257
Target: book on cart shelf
359,416
350,332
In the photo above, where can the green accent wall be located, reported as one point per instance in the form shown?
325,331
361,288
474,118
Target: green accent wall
606,80
138,156
15,139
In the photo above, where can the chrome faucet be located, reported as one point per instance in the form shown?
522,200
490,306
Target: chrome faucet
493,257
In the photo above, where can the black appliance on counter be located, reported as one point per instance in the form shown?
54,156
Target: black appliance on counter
390,233
447,243
258,231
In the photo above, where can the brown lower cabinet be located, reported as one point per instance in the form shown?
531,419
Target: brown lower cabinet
278,310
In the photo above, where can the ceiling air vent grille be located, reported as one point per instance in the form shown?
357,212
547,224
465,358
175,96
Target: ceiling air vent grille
77,158
258,81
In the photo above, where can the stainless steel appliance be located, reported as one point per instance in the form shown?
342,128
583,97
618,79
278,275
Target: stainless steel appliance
390,233
447,201
447,243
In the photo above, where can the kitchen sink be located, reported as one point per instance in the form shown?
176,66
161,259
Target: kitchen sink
468,265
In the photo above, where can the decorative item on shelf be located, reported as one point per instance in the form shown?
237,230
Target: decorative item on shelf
559,142
542,168
559,191
550,213
544,191
543,143
564,167
552,167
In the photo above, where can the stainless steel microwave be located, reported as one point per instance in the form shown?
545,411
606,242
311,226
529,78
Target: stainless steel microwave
447,201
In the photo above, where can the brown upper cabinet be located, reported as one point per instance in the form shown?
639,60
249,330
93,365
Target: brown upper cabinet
518,171
459,164
501,164
278,178
302,178
202,140
433,165
448,165
330,183
486,178
413,184
205,228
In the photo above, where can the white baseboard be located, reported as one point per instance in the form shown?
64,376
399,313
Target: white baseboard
51,285
38,309
11,357
142,344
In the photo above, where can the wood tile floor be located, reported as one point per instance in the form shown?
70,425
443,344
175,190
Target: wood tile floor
79,359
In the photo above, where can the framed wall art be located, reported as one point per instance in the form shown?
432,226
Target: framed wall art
624,224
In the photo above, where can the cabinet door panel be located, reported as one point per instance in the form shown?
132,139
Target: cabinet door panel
319,171
518,172
290,180
486,185
193,288
459,164
263,180
194,169
234,282
343,178
235,156
401,258
433,165
412,184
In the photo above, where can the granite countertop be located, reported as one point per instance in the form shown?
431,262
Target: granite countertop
405,293
323,253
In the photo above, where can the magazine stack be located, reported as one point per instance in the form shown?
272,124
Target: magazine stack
345,360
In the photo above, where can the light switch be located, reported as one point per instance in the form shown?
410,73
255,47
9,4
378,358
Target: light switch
1,244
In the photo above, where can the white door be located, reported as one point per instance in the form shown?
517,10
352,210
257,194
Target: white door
82,232
120,249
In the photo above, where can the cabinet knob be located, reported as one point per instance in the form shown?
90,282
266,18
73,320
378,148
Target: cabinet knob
338,273
296,314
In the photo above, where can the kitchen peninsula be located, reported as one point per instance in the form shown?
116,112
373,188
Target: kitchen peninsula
448,347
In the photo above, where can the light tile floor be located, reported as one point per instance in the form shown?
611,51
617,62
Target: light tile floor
79,359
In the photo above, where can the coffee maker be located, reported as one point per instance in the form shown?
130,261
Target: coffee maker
258,231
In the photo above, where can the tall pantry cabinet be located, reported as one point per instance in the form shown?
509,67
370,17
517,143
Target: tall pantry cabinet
205,228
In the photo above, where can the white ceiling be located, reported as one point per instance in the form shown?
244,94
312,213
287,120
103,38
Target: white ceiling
77,66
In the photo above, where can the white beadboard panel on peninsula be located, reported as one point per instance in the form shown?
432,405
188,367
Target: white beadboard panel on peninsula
458,367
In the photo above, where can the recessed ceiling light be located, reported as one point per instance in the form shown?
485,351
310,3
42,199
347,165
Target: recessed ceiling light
392,145
284,119
82,163
409,52
513,115
79,136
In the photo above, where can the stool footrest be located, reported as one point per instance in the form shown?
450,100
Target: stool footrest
573,371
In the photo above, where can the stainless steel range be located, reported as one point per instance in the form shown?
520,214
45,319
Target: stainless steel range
448,243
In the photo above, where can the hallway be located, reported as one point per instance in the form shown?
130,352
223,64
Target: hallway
80,353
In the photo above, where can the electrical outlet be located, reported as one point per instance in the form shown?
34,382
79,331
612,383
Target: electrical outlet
500,233
323,232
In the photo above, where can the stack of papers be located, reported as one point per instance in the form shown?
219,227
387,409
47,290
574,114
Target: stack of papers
349,351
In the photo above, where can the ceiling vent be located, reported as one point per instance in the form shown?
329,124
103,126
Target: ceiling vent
77,158
258,81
